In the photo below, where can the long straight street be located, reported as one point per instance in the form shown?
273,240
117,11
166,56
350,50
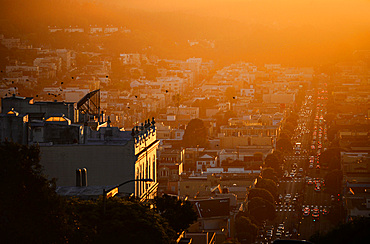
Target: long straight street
304,206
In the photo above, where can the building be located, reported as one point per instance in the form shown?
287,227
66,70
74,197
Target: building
37,110
111,156
206,161
13,127
170,166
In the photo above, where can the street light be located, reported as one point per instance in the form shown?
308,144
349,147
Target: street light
113,191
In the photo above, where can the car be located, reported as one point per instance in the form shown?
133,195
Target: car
310,182
306,213
317,189
318,166
325,212
311,166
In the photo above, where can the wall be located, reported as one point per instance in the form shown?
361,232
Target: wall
106,164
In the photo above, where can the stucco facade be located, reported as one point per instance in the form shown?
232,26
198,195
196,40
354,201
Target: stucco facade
109,161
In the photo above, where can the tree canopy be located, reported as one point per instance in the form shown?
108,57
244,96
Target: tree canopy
333,181
195,134
268,185
284,145
262,193
274,160
31,211
179,214
356,231
269,173
245,230
261,209
131,220
331,158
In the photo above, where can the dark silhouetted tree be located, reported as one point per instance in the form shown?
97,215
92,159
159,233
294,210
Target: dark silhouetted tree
269,173
31,211
331,158
262,193
261,209
268,185
195,134
356,231
246,231
179,214
333,181
284,145
273,160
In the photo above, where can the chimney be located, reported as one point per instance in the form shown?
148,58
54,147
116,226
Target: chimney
78,177
84,177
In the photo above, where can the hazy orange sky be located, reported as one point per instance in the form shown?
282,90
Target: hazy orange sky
266,11
305,31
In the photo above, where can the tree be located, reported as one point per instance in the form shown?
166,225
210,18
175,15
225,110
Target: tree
195,134
356,231
135,221
285,134
289,127
262,193
268,185
284,145
179,214
292,118
129,218
271,160
222,118
274,161
31,211
177,98
261,209
330,118
333,181
269,173
203,104
246,231
331,158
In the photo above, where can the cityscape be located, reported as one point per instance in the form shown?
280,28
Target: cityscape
197,122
